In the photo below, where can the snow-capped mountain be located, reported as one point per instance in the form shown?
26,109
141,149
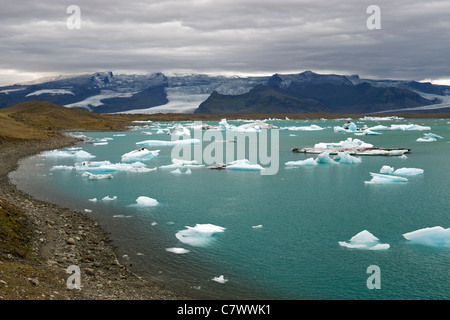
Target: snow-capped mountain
105,92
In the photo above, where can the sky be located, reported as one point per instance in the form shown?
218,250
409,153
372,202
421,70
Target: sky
411,40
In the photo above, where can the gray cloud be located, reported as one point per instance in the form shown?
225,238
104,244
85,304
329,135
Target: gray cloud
245,36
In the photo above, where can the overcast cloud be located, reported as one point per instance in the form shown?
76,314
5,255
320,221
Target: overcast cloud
227,37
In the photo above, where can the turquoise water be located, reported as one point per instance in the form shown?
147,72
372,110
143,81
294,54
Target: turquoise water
304,213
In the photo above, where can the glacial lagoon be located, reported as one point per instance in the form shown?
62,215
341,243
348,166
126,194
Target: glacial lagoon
313,230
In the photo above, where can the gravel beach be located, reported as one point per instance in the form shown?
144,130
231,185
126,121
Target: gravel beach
45,240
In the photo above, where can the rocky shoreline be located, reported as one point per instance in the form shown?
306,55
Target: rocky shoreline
56,238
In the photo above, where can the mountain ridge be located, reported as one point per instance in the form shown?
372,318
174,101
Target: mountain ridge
105,92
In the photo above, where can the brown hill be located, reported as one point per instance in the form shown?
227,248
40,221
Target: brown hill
40,119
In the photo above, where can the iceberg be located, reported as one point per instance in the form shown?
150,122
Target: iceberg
108,167
429,137
67,154
146,201
434,236
312,127
364,240
426,139
401,127
62,167
349,143
220,279
142,154
387,170
378,178
408,171
324,158
199,236
178,250
307,162
108,198
163,143
244,165
92,176
180,131
346,158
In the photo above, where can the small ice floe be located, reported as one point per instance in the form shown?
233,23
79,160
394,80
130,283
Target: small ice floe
180,163
200,235
401,127
401,171
62,168
243,165
346,158
364,240
259,226
108,198
179,171
88,210
312,127
162,143
307,162
429,137
220,279
142,154
178,250
154,223
80,154
93,200
121,216
324,158
144,201
378,178
92,176
434,236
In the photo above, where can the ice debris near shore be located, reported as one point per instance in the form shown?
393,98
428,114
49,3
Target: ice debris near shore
366,241
220,279
92,176
434,236
178,250
142,154
200,235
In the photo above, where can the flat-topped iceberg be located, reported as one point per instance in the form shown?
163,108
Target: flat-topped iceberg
306,162
178,250
378,178
200,235
81,154
169,143
98,167
434,236
244,165
401,127
364,240
142,154
312,127
401,172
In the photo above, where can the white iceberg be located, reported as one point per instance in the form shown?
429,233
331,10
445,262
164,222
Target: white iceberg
307,162
200,235
108,198
220,279
92,176
244,165
378,178
434,236
401,127
387,170
62,167
348,143
364,240
162,143
180,131
408,171
178,250
312,127
142,154
146,201
426,139
99,167
67,154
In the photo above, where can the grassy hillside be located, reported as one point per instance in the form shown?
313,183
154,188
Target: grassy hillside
40,120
